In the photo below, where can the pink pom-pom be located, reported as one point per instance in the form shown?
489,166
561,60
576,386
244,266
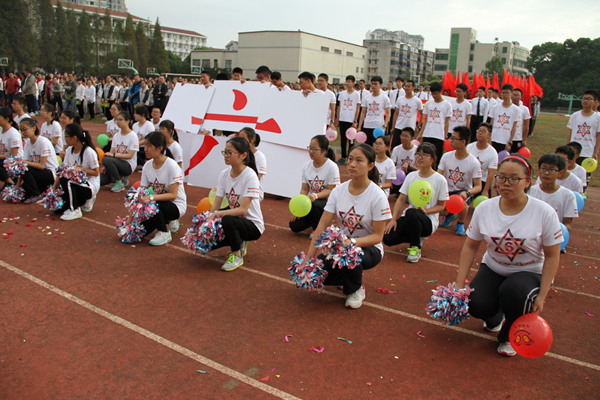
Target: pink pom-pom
13,194
132,232
69,172
14,166
449,304
53,199
307,276
331,244
204,234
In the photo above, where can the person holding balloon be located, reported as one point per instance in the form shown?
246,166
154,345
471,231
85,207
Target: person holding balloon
259,157
577,169
320,176
362,211
243,221
584,127
167,128
120,161
565,177
463,174
427,192
523,239
385,165
486,155
403,157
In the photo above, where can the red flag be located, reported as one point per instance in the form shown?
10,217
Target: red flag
538,91
488,84
526,94
505,78
451,84
466,80
531,87
475,85
495,83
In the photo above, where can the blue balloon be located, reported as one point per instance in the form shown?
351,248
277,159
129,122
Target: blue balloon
580,201
378,132
566,236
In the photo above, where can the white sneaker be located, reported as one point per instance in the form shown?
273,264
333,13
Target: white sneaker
243,248
160,238
496,328
173,226
355,299
89,205
70,215
506,349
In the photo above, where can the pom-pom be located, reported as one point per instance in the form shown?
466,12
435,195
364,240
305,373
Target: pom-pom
308,276
204,234
14,166
13,194
132,232
331,244
53,199
69,172
449,304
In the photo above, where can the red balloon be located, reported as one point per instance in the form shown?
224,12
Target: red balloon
530,336
455,204
524,151
137,184
448,145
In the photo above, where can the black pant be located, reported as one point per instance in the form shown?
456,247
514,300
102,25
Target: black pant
237,229
141,157
74,195
311,219
30,100
3,174
344,141
410,229
107,113
80,109
351,279
498,146
396,140
517,144
475,122
531,125
496,296
115,169
167,212
90,107
57,103
439,147
370,137
36,181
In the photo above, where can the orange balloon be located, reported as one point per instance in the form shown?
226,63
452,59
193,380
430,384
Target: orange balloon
204,205
100,154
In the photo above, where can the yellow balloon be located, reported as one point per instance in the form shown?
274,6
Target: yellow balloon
589,164
420,193
59,160
212,195
300,205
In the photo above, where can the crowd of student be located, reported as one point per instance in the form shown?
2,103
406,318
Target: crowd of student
520,223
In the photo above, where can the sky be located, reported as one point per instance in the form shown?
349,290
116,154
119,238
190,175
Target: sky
528,22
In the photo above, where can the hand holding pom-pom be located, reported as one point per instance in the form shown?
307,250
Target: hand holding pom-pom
204,233
331,243
53,199
71,173
13,194
307,276
14,166
449,304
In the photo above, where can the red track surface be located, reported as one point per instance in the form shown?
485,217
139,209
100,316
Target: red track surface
85,316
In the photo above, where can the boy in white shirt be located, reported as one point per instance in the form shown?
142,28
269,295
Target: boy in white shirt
375,110
407,110
80,97
322,85
566,178
522,131
479,112
461,109
347,114
584,127
504,121
487,157
436,119
577,169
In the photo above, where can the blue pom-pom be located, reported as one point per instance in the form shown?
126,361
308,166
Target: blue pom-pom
53,199
449,304
14,166
331,244
204,234
307,276
13,194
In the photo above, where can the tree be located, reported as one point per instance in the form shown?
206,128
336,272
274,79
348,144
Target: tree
74,38
86,57
22,39
494,65
143,51
109,56
131,48
158,54
97,42
175,63
64,49
434,78
47,35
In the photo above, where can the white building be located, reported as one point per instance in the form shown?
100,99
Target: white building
113,5
416,41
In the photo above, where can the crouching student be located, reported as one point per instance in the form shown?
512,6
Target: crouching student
120,162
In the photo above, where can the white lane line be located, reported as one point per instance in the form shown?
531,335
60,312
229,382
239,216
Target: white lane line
152,336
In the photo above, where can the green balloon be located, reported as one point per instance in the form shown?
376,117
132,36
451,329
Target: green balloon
150,190
102,140
212,195
420,193
478,200
300,205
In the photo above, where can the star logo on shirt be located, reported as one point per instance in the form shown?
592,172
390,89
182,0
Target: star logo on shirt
233,199
158,187
405,109
457,113
373,107
351,220
35,158
508,245
348,103
407,160
455,175
584,129
3,148
121,149
316,185
435,113
503,119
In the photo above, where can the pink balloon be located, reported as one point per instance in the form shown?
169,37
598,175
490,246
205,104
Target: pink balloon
351,133
361,137
331,134
416,142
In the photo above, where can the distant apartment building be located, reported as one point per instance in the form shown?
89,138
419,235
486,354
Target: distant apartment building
417,41
113,5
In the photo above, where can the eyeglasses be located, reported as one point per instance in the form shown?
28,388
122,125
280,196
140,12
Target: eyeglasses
119,120
405,137
228,153
312,149
587,99
422,155
378,144
550,171
482,131
511,181
452,138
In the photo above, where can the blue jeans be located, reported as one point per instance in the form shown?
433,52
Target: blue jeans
70,105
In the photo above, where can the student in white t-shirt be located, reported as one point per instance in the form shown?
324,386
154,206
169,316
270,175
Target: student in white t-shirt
566,178
67,117
142,128
18,104
81,154
111,126
436,119
584,126
259,157
120,161
522,235
322,80
347,114
403,156
461,110
375,110
41,162
384,164
410,224
11,143
504,121
167,128
320,176
577,169
243,221
155,115
486,155
463,174
522,130
51,129
407,111
362,211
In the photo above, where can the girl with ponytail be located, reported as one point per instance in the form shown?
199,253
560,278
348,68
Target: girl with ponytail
11,143
51,129
362,211
259,157
167,128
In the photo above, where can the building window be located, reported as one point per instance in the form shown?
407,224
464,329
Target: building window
454,42
373,62
441,56
205,63
216,64
393,70
472,46
323,48
349,54
503,60
471,57
470,69
336,51
336,80
196,63
228,64
440,67
504,50
362,70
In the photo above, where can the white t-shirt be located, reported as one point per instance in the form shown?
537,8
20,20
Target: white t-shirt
459,114
18,119
235,189
332,100
572,183
124,143
90,161
423,95
142,131
375,106
524,115
42,148
504,119
161,180
261,166
407,110
515,243
387,170
112,128
584,130
157,125
9,140
563,201
460,173
436,118
319,179
348,104
356,214
50,132
581,173
177,152
401,156
488,158
440,192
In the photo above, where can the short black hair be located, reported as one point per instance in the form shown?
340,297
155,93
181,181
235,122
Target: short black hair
276,75
553,159
463,132
377,79
592,92
486,125
205,72
566,150
237,70
20,100
263,69
496,90
222,77
576,146
399,79
409,130
362,80
519,90
351,78
481,88
507,86
324,76
411,81
435,87
462,86
308,76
